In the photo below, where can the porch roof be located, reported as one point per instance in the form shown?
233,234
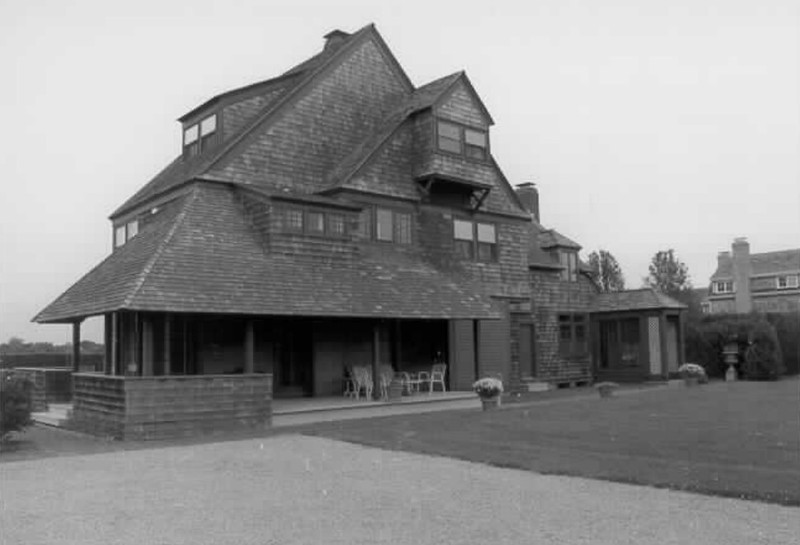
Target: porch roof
201,255
641,299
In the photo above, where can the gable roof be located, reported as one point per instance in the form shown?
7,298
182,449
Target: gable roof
551,238
641,299
294,81
471,90
782,261
203,255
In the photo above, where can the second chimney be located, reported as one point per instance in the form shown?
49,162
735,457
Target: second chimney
529,196
334,38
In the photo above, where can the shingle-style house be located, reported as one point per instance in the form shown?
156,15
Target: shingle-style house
764,282
331,216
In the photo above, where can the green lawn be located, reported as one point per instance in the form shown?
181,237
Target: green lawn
732,439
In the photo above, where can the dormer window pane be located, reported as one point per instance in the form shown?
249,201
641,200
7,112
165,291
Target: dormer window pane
384,225
190,135
119,236
208,125
133,229
449,137
476,144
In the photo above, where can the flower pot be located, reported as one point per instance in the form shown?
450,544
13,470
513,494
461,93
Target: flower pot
490,403
691,382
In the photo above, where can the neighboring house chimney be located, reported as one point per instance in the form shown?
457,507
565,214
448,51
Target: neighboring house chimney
334,38
529,196
742,271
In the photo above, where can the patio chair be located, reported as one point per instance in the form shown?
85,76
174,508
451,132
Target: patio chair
362,380
438,372
386,377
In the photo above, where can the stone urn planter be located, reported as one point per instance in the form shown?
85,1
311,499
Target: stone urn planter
489,390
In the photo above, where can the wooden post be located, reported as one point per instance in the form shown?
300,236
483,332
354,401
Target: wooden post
107,336
167,344
249,348
76,347
115,343
376,361
147,346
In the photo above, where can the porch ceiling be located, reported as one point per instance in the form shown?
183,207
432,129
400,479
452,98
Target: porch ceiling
203,256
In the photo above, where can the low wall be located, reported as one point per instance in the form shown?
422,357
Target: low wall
165,407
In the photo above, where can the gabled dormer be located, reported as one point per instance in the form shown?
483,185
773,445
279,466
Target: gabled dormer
200,133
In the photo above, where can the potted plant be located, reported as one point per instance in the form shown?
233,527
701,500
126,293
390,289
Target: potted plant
606,389
692,374
489,390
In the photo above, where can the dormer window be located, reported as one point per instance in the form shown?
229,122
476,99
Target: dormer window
723,286
470,143
200,136
123,233
569,264
788,282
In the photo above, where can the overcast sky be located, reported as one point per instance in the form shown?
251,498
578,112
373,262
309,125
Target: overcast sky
646,124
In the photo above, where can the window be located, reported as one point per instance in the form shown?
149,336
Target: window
464,238
124,233
449,137
336,225
487,242
569,262
294,220
629,341
452,138
787,282
315,223
572,335
384,224
402,223
705,307
475,144
200,136
724,286
475,239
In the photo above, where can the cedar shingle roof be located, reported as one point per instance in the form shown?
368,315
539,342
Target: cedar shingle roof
552,239
202,255
782,261
641,299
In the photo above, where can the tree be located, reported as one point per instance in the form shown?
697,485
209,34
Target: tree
605,271
669,274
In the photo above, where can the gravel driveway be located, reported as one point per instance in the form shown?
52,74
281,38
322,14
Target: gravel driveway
294,489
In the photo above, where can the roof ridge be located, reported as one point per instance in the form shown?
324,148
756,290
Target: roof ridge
157,254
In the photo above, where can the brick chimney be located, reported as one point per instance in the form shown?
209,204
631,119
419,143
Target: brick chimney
529,196
742,270
335,38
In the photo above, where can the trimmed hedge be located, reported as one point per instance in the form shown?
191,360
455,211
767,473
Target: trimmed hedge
89,362
15,403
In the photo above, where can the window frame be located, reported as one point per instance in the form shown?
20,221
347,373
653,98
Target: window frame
126,231
474,248
787,284
201,140
568,259
723,287
380,236
569,345
463,145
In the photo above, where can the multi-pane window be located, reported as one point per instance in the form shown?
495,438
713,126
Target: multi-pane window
293,220
125,232
475,239
475,144
336,224
402,224
384,224
788,282
315,223
200,136
453,138
464,238
449,137
572,335
723,286
569,266
487,242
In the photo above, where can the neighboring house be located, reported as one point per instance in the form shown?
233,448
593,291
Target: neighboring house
763,282
335,215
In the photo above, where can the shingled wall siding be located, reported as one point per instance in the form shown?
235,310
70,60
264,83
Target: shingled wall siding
461,107
164,407
777,303
321,128
551,296
723,306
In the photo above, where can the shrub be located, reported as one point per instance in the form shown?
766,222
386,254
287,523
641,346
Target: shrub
762,357
15,404
787,328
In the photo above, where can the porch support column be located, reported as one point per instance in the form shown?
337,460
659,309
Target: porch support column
76,347
147,346
249,348
376,361
107,324
114,343
167,344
